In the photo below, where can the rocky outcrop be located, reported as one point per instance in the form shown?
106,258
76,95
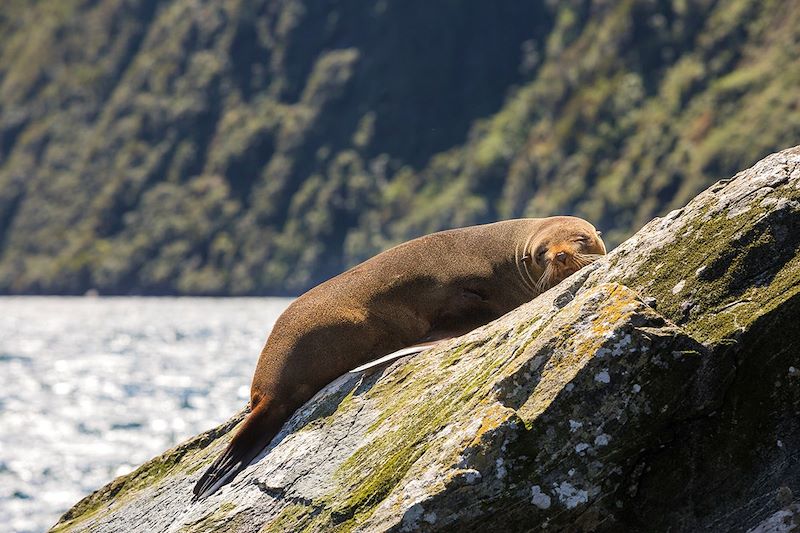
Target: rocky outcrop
658,389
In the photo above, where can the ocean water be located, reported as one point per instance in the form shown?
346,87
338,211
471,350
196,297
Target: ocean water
90,388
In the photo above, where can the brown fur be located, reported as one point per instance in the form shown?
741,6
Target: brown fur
439,285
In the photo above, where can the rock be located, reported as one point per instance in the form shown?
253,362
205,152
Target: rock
587,409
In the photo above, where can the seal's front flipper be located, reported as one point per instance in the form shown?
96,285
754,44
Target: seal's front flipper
435,336
386,359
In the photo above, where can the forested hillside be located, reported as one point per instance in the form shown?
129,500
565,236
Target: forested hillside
258,147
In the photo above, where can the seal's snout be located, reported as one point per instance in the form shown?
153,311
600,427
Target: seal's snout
566,264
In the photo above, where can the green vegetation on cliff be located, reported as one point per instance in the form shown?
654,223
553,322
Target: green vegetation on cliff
258,147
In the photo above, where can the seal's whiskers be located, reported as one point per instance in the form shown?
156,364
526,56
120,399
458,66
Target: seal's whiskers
545,280
522,265
581,260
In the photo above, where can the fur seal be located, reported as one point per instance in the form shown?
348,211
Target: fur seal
431,288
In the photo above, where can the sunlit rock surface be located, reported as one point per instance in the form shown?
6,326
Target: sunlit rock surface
656,390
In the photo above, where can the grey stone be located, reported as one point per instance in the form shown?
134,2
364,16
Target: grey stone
583,410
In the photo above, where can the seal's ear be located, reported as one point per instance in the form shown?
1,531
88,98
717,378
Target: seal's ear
599,233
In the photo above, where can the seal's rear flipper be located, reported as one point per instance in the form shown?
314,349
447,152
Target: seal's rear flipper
258,429
220,472
386,359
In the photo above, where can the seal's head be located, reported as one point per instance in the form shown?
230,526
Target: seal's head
559,248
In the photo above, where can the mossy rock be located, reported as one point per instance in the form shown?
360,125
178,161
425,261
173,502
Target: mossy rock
606,404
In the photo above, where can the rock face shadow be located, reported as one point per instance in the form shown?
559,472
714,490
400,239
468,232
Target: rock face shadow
747,450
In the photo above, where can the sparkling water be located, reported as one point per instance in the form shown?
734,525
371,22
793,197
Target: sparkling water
90,388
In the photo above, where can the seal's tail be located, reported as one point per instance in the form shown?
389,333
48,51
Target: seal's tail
258,429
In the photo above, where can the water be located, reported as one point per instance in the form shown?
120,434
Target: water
90,388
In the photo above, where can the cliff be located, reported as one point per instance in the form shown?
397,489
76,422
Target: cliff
655,390
260,146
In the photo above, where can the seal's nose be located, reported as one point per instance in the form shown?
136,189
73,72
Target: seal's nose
561,257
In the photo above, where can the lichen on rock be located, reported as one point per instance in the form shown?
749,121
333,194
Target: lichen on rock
655,390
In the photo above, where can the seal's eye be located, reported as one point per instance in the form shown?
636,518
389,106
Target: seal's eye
583,239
